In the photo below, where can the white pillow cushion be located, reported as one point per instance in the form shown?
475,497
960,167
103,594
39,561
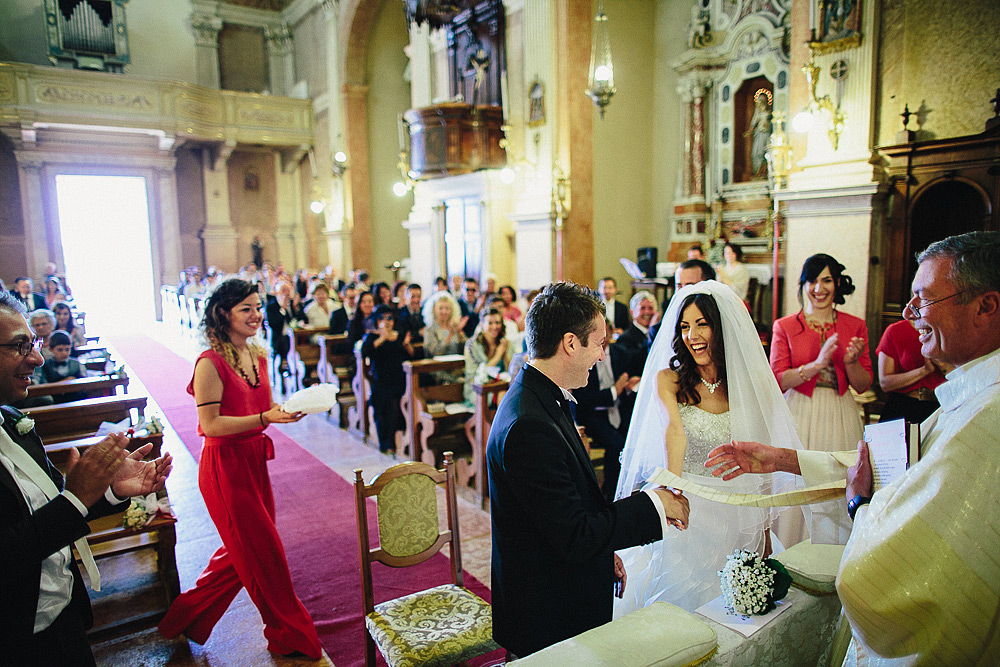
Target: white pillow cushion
813,567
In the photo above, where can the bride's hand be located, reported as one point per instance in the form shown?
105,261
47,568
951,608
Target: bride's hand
739,457
675,507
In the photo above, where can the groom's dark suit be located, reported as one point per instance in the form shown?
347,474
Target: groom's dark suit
553,533
26,539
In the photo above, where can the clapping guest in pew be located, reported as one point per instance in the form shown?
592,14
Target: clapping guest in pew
489,349
280,311
358,327
411,317
444,335
46,610
233,397
387,350
318,312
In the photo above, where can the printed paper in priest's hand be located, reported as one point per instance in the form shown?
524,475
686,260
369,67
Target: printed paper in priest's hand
317,398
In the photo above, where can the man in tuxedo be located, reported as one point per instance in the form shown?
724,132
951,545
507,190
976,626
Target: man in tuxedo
341,318
46,612
411,319
24,292
554,535
598,409
616,311
634,339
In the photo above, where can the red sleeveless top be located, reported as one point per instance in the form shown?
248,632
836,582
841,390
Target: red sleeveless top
238,397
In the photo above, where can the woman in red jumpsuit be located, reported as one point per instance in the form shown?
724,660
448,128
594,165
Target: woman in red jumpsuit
233,394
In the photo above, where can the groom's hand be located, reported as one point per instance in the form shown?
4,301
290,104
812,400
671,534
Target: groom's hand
675,507
620,577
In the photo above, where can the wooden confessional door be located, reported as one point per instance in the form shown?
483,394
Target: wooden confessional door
938,189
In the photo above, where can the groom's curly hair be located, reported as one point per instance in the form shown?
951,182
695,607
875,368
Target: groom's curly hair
688,378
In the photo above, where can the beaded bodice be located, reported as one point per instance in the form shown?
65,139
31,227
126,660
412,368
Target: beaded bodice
705,431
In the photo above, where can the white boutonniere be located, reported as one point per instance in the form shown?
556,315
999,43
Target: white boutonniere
24,424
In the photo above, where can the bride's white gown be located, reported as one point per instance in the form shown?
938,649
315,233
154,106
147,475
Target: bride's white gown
682,569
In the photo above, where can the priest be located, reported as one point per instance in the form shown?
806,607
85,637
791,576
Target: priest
920,576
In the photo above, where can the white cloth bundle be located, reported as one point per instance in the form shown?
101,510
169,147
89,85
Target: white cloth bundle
317,398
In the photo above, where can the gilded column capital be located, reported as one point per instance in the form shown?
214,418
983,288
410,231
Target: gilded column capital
206,29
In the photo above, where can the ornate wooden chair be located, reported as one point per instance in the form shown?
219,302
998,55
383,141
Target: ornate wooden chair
443,625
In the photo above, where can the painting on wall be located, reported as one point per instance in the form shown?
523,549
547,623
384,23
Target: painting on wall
536,104
839,25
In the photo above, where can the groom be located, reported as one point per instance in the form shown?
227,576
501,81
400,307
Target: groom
554,535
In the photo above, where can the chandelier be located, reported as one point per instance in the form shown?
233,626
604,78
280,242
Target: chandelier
601,80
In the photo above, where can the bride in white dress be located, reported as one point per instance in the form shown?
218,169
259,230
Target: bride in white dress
706,381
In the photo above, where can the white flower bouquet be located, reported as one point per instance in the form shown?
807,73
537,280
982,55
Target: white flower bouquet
144,509
751,584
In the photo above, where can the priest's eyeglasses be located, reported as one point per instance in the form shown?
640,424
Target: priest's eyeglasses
916,309
25,347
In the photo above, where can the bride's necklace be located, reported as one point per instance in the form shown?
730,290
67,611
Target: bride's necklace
712,386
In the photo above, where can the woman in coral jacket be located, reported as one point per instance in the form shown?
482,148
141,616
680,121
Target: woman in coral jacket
816,355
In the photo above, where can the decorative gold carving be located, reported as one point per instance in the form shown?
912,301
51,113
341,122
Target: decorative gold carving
7,82
270,117
83,96
851,42
200,109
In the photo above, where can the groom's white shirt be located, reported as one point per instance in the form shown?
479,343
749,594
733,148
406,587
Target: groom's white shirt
920,577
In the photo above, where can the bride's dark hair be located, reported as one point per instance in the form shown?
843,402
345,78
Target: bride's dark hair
683,363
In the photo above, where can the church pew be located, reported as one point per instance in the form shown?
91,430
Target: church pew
58,452
487,399
68,421
422,425
336,365
104,385
359,420
307,351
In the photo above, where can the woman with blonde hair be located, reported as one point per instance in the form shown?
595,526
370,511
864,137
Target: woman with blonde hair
233,396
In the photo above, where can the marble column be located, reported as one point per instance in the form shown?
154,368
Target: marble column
697,134
291,246
687,117
170,229
36,242
206,39
357,179
281,59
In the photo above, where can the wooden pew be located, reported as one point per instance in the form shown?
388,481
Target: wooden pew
359,421
68,421
104,385
58,452
421,424
337,365
307,351
488,397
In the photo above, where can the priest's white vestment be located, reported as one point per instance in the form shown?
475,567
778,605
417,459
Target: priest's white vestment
920,577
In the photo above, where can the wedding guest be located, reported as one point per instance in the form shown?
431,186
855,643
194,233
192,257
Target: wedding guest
399,294
906,376
383,295
65,322
510,310
43,323
939,608
490,349
456,285
616,311
696,251
734,273
411,317
522,323
387,351
554,535
470,305
341,318
280,312
233,397
636,336
360,322
817,355
54,292
444,334
440,284
46,609
319,311
60,366
24,292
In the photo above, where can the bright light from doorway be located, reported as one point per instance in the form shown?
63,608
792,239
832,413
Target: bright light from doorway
104,222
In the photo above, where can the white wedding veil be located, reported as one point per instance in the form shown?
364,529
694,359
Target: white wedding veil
757,410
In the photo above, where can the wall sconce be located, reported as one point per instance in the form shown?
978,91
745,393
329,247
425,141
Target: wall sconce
804,119
560,193
601,80
339,164
318,202
779,153
400,188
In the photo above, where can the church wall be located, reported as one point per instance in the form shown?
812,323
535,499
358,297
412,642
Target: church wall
388,96
13,262
253,212
161,43
916,39
624,145
191,205
309,39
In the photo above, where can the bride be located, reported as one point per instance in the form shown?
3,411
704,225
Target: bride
705,382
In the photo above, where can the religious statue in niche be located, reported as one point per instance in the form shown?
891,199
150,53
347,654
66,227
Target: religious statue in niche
536,104
251,180
753,104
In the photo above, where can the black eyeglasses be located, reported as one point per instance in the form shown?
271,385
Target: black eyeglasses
25,347
916,309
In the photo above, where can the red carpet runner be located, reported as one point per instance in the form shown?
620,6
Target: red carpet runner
322,547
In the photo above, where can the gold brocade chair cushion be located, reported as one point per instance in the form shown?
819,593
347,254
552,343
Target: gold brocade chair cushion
440,626
813,567
408,515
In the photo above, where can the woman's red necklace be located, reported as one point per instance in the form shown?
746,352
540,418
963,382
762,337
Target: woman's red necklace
256,374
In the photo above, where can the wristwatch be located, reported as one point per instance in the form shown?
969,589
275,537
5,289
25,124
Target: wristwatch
854,503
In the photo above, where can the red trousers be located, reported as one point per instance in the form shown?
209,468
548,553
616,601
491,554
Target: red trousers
232,476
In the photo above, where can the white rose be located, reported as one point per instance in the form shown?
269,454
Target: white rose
24,425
